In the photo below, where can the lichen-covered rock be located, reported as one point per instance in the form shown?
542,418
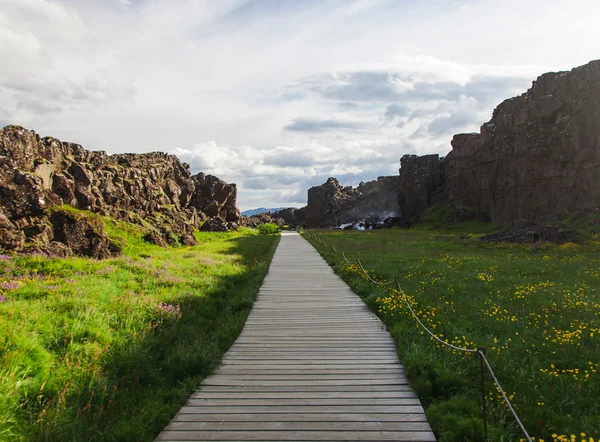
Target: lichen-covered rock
155,189
216,224
84,235
10,237
153,237
215,197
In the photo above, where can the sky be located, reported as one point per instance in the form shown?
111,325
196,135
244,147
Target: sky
278,95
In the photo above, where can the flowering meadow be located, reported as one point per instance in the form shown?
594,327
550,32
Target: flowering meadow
110,350
535,309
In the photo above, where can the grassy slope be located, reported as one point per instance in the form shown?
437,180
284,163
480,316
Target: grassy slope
535,308
109,350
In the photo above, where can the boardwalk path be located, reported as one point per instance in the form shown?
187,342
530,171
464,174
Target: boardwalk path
311,364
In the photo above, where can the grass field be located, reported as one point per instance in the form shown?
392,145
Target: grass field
110,350
535,308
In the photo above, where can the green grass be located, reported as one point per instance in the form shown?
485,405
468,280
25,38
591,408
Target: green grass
535,308
268,229
110,350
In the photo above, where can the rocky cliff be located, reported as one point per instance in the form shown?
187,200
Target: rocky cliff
538,158
419,184
40,178
331,205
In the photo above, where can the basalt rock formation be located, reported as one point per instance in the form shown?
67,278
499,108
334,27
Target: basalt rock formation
373,202
155,190
537,159
419,184
215,198
327,202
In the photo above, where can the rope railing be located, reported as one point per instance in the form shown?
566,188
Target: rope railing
479,351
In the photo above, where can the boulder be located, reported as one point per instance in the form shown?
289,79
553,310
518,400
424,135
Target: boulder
84,235
215,224
188,239
153,237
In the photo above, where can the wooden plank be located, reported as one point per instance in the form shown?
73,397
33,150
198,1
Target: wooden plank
233,370
304,395
301,383
302,417
381,436
306,377
331,402
298,426
302,365
310,354
305,388
410,409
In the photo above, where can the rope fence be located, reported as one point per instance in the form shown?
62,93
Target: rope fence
478,351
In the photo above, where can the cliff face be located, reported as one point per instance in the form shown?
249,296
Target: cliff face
155,190
539,155
419,183
538,158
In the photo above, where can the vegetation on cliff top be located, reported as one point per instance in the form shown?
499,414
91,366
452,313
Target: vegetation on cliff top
535,308
110,350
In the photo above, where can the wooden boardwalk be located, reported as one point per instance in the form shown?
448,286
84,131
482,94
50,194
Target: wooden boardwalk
312,363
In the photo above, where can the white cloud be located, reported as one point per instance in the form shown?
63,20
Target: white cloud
291,92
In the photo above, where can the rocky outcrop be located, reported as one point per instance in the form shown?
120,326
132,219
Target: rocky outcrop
154,190
289,216
331,205
327,202
215,198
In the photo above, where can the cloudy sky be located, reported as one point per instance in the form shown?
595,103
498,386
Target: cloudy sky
278,95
